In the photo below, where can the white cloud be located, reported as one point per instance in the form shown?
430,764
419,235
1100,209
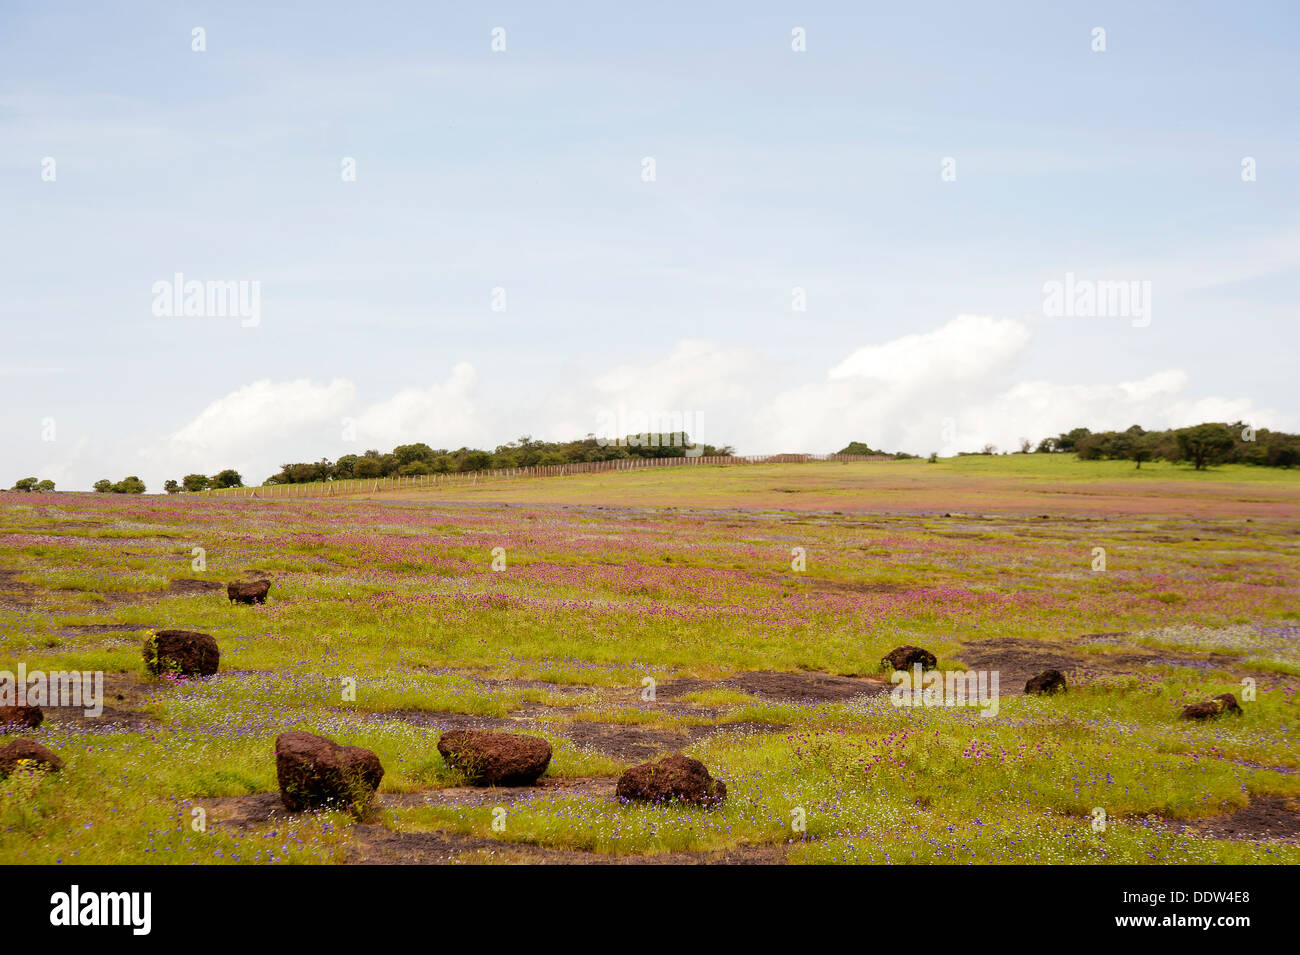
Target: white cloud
254,429
693,373
946,390
969,348
443,414
263,425
895,393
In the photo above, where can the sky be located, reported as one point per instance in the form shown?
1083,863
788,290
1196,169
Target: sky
789,226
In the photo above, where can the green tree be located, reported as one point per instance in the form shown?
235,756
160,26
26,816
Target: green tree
1205,444
1069,440
171,487
26,484
470,460
129,485
410,453
103,486
858,447
1145,448
1091,447
195,482
227,478
46,485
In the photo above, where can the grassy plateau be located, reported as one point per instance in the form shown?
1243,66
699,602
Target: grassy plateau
736,614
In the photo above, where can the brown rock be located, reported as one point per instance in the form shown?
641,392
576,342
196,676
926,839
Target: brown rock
21,750
1049,681
248,591
29,716
495,759
672,778
181,651
318,773
905,657
1212,709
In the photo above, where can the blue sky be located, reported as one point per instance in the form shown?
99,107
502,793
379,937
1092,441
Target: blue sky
522,170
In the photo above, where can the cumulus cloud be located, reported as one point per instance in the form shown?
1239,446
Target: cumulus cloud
677,391
967,349
443,413
892,393
261,426
261,413
253,429
947,390
950,390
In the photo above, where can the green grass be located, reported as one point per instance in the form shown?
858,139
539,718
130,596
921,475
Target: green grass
396,597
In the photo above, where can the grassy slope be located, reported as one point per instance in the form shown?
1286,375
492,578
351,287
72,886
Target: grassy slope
401,595
1004,483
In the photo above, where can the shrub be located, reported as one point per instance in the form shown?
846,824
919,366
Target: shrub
129,485
227,478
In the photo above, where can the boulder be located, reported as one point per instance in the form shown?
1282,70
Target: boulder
248,591
1211,709
495,759
181,651
32,752
318,773
672,778
29,716
905,657
1049,681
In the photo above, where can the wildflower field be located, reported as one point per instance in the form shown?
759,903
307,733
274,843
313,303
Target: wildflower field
736,614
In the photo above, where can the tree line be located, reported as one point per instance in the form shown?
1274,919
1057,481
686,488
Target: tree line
1201,445
408,460
30,484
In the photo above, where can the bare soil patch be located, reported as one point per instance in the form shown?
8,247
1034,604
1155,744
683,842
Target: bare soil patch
796,686
443,719
1264,818
376,845
805,685
259,809
241,812
16,594
188,586
125,694
639,744
632,744
1018,659
598,787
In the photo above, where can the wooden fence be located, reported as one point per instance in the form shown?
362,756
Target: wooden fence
472,478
